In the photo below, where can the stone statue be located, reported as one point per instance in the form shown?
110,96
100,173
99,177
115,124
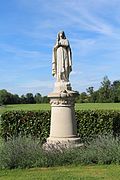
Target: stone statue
62,58
63,128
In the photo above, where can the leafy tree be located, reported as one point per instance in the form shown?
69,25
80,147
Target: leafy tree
105,90
38,98
90,91
45,99
83,98
16,99
5,97
30,98
23,99
116,91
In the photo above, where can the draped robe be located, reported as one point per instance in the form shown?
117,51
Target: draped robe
62,60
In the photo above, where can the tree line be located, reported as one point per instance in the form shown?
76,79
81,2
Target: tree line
9,98
107,93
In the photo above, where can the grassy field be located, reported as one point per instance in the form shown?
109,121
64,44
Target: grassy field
92,106
25,107
84,106
111,172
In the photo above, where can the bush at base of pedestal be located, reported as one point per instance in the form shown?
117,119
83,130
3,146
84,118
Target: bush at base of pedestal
28,153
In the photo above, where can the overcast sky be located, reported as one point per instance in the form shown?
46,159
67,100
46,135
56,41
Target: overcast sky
28,30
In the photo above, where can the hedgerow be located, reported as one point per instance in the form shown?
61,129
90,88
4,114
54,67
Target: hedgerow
37,123
25,123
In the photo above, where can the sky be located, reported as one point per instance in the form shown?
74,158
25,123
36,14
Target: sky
28,31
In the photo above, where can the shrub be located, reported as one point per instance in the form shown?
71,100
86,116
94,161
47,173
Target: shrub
26,153
21,152
21,123
37,123
104,149
91,123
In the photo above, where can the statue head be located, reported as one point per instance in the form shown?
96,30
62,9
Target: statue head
61,35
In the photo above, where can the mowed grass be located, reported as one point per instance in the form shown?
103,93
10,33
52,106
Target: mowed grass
110,172
92,106
78,106
25,107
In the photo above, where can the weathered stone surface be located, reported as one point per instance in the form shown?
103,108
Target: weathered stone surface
63,127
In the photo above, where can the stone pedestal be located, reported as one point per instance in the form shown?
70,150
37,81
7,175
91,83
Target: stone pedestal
63,128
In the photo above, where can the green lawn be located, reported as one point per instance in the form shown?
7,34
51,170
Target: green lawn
26,107
92,106
78,106
111,172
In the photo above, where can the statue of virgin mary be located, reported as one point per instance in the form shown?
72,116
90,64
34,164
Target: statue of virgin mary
62,58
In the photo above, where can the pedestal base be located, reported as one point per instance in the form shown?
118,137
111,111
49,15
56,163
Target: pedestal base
73,140
61,144
63,128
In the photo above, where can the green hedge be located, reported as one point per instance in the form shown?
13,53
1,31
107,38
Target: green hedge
37,123
25,123
94,122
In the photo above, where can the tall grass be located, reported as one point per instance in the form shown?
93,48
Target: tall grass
26,153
